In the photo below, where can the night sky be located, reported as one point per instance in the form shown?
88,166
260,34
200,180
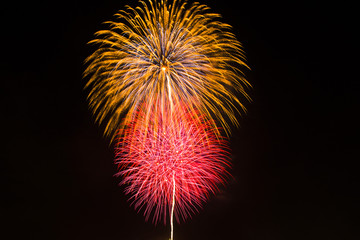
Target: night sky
294,155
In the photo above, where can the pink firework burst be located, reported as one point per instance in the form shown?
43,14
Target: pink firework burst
172,165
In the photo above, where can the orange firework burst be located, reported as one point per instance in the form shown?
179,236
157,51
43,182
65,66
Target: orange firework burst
164,53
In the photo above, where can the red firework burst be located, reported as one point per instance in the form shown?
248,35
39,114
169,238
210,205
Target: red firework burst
172,162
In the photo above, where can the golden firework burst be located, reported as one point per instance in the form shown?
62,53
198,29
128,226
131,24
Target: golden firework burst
164,53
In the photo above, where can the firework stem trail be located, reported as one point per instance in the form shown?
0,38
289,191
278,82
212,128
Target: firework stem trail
172,208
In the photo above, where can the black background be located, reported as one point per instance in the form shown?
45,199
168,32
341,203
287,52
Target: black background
294,156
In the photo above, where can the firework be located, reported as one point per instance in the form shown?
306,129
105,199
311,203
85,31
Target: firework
172,168
165,53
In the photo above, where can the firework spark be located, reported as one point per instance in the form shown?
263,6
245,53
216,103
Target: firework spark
179,162
165,52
